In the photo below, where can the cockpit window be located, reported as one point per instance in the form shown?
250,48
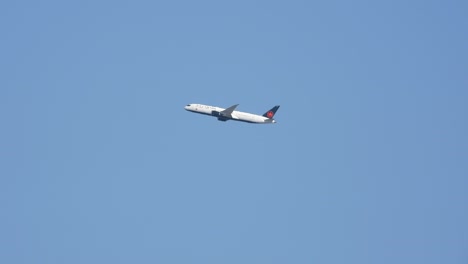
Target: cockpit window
188,105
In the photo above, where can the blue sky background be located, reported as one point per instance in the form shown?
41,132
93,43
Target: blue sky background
100,163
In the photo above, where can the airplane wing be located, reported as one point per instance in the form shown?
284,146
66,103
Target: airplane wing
228,111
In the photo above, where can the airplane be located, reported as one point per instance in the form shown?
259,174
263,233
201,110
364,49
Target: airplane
230,113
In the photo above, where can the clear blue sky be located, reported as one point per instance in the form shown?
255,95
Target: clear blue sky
100,163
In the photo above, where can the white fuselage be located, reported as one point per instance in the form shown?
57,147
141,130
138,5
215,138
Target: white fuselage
235,115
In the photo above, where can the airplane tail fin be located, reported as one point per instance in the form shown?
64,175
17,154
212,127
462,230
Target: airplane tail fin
271,113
